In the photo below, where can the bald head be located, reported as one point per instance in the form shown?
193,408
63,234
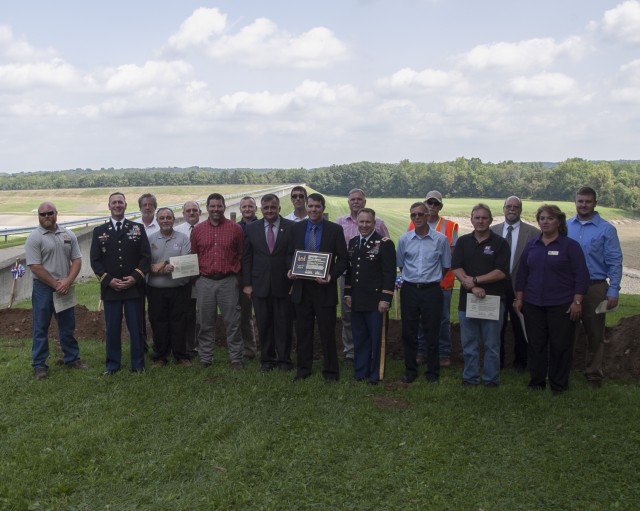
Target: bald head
48,216
512,209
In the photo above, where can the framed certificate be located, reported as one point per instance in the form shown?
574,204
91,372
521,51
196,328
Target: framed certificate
311,265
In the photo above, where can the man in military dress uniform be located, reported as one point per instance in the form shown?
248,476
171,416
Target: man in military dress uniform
120,257
368,291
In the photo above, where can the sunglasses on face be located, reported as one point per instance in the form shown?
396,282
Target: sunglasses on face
47,213
433,203
190,210
417,215
297,196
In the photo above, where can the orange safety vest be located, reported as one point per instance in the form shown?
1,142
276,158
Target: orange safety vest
449,228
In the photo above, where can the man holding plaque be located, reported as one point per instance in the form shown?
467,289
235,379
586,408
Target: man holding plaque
481,263
368,291
315,293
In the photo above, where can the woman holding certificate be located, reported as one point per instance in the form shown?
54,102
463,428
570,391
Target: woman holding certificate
551,281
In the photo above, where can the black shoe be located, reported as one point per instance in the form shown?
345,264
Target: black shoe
536,388
466,383
431,379
408,378
265,368
492,385
362,378
285,368
330,380
138,371
110,372
374,382
298,378
520,369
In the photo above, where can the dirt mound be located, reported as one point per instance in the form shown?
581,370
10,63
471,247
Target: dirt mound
622,354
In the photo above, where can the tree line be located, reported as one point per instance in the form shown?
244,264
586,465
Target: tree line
617,182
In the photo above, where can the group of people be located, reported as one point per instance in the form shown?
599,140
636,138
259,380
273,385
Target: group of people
543,280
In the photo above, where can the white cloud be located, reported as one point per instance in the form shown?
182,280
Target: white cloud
55,73
198,28
629,89
408,79
33,109
622,22
263,45
131,78
532,53
16,49
543,85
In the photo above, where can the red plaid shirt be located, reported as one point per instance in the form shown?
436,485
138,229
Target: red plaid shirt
219,248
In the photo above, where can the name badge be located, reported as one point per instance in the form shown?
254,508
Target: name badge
553,252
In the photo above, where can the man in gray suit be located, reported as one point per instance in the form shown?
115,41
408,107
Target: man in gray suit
517,234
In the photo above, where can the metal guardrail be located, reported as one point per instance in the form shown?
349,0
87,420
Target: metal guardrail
99,219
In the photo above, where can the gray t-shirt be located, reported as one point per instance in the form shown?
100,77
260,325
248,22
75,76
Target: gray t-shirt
53,250
161,250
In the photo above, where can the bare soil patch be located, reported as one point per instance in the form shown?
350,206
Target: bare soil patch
622,354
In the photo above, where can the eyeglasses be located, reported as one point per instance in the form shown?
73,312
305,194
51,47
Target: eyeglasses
191,210
47,213
512,206
297,196
417,215
431,202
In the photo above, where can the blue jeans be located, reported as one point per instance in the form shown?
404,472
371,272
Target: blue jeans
472,332
42,303
445,329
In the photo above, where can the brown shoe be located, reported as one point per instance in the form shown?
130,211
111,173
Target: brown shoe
594,384
236,366
40,373
77,364
185,362
420,360
445,362
159,363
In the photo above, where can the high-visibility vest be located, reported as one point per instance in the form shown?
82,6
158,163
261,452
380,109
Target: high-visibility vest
449,227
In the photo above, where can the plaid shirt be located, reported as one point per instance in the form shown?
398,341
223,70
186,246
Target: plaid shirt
219,248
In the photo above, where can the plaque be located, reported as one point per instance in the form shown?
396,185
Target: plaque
311,265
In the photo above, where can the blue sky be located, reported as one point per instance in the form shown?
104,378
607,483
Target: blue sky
306,84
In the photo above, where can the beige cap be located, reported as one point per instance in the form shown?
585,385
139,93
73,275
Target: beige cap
434,194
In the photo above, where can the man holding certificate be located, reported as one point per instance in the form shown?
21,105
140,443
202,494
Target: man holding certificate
53,256
168,296
316,297
481,263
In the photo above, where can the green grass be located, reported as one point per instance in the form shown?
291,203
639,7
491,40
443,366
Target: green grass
191,439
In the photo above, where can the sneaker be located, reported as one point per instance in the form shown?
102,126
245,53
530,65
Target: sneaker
41,373
77,364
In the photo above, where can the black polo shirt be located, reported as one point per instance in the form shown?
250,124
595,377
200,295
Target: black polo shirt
480,258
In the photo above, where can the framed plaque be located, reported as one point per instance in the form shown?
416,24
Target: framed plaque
311,265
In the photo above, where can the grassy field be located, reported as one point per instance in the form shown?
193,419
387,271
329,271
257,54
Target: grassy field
192,439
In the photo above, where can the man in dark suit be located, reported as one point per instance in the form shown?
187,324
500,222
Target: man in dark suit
120,258
264,274
316,299
368,291
517,234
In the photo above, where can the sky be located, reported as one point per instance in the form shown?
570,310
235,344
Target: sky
287,84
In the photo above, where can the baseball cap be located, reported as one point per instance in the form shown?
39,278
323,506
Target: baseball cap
434,194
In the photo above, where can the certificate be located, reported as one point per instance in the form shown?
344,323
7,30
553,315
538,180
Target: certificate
483,308
311,265
64,302
184,266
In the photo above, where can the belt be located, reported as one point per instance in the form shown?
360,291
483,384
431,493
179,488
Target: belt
599,281
217,276
421,285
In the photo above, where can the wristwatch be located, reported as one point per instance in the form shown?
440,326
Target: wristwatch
475,281
577,302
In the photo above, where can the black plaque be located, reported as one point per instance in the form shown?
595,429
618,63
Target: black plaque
311,265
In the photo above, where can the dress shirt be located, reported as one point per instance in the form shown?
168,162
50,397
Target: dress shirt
552,274
219,247
318,234
292,216
151,228
276,226
185,228
601,247
422,259
514,240
350,227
